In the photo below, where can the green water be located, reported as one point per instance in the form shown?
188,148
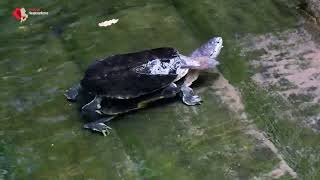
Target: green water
41,134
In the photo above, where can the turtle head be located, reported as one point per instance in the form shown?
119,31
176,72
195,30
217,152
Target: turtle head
205,57
211,49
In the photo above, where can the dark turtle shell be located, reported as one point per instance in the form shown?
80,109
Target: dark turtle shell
131,75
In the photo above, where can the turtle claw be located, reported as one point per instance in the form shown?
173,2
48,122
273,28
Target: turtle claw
72,93
98,127
194,100
104,128
189,98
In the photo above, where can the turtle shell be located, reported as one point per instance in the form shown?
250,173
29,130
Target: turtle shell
131,75
120,106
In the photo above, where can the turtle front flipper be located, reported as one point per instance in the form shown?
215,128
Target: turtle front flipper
72,93
189,97
100,125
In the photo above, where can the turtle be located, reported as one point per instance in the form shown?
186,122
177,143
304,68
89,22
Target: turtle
125,82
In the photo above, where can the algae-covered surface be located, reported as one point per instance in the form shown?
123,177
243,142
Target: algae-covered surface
242,130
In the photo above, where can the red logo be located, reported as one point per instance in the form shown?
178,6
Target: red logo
20,14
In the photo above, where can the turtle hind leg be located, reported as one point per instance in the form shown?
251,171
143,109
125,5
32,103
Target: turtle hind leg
73,93
94,105
100,125
189,97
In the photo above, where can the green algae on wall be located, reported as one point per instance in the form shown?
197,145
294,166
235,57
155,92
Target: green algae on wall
41,134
